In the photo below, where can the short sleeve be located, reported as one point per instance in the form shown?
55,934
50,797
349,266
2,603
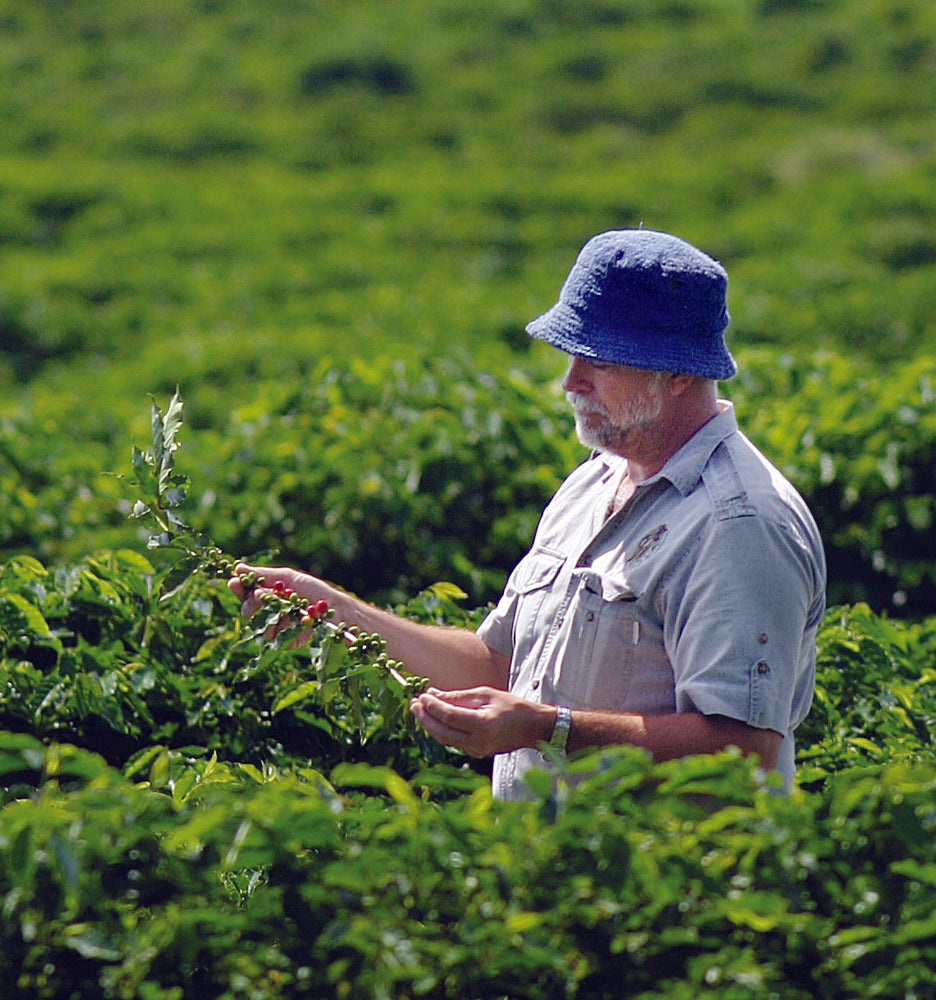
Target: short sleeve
496,630
741,636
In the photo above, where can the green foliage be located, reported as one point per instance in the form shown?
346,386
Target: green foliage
117,655
414,173
857,441
270,820
261,820
683,880
875,693
260,201
327,224
100,655
159,494
383,476
388,475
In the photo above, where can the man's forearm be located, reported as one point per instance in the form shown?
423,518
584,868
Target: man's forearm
450,657
483,721
668,736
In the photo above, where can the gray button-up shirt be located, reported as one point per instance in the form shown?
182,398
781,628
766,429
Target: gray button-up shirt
703,594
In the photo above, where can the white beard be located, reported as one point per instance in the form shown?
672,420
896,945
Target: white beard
609,433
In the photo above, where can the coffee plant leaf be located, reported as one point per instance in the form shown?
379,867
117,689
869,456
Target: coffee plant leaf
21,616
290,698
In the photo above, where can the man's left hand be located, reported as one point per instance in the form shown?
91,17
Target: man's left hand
482,721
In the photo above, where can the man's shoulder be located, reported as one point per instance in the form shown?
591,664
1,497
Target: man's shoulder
740,481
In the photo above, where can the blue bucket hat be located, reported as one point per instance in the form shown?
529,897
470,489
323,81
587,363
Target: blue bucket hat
644,299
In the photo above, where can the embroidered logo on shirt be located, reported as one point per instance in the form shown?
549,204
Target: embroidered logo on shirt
647,544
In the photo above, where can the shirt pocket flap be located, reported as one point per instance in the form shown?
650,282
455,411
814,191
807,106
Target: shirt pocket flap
617,589
538,570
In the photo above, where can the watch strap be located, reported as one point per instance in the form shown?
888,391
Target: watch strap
560,733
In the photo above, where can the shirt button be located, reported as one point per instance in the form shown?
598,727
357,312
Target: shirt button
763,667
535,685
590,616
762,638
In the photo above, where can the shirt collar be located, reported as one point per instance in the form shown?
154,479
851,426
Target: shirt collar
684,469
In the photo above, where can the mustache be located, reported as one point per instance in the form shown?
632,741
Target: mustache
582,404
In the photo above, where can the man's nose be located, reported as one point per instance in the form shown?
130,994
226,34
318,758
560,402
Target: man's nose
575,380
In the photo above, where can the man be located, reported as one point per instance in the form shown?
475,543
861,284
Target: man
671,596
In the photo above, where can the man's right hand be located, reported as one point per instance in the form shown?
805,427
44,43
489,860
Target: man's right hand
252,583
265,578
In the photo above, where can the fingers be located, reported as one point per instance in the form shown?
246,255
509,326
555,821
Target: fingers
427,715
236,585
245,579
257,585
249,583
463,719
437,715
245,588
457,709
482,720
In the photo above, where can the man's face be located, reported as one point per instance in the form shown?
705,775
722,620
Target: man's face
612,403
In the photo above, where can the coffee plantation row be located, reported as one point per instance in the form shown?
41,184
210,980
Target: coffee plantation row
680,881
331,173
187,811
387,476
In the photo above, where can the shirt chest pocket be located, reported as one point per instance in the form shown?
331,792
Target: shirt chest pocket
604,643
534,582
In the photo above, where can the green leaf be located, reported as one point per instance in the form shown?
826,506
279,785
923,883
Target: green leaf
165,430
760,911
131,559
89,695
173,420
449,590
540,782
92,944
159,769
32,617
141,759
253,772
294,695
141,465
521,923
68,862
159,448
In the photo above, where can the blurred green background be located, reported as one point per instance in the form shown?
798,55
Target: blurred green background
327,223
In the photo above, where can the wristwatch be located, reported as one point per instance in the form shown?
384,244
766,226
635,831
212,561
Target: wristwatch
560,733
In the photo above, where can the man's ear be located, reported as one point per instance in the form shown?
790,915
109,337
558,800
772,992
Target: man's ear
679,382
